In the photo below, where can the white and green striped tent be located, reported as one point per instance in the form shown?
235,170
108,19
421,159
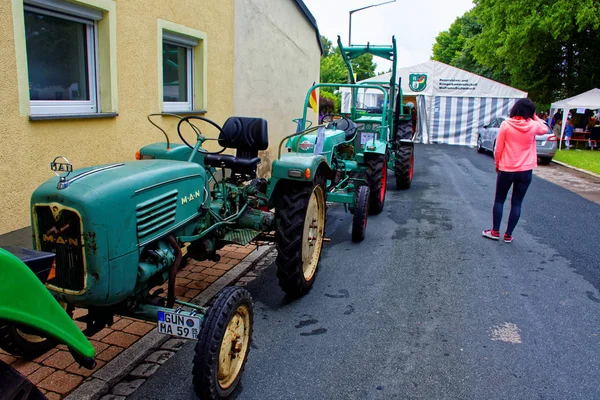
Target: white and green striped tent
452,104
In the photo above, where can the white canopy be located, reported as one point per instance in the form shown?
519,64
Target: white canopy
589,99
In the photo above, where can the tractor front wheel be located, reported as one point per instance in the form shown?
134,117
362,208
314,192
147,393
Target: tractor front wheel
377,181
223,344
403,167
361,212
24,342
15,386
299,236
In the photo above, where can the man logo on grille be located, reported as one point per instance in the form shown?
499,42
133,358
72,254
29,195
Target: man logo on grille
53,235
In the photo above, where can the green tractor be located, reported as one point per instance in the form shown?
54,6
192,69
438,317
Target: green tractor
120,230
28,306
355,148
399,133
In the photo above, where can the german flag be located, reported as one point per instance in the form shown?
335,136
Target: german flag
313,102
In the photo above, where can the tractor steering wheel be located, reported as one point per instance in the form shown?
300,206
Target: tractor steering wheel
199,135
330,118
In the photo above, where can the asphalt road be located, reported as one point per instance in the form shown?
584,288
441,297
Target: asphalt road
426,308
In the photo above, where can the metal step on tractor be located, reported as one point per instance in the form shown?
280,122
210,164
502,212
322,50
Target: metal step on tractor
390,123
118,231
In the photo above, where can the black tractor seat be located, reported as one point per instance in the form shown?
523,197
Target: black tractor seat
231,162
246,135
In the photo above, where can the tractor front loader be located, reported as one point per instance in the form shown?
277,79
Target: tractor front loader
401,139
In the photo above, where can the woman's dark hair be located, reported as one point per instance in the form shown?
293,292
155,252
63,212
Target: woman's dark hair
523,108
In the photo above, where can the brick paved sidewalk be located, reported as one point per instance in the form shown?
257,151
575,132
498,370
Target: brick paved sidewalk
57,374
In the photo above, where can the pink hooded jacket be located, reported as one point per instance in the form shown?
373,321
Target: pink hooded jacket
515,144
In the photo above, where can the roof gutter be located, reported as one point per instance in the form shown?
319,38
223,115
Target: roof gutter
312,21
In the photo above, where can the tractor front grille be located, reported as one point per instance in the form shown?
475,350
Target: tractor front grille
59,231
155,214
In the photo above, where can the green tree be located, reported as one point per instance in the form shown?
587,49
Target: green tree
364,67
327,46
546,47
333,68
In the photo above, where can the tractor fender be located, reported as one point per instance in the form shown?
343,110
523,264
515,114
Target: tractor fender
297,168
378,148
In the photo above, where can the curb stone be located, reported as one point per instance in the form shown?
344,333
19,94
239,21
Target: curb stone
111,374
576,169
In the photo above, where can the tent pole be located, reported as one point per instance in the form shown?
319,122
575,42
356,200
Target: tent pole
562,128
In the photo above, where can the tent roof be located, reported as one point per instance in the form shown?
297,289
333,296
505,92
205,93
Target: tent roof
589,99
446,80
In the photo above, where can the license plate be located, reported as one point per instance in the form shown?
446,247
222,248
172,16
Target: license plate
178,325
541,142
365,137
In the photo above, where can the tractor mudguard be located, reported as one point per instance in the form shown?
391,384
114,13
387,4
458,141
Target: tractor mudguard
296,167
160,151
378,147
26,301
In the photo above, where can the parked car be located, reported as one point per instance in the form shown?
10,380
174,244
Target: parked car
545,144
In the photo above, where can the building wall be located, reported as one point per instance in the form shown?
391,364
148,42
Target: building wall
277,59
29,146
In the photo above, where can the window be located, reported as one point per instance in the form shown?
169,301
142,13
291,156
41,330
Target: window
182,68
178,68
61,57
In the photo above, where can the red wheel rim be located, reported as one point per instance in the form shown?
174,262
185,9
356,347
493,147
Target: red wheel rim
412,164
384,182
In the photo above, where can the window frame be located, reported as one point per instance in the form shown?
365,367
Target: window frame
196,39
176,106
67,107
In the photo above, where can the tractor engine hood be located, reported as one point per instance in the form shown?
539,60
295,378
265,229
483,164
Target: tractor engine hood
123,206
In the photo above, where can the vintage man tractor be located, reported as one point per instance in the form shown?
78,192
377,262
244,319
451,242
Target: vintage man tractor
398,131
118,231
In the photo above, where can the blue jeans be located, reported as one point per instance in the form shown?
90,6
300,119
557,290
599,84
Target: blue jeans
520,182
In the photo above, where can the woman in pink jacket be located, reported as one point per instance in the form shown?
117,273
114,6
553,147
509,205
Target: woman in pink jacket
516,157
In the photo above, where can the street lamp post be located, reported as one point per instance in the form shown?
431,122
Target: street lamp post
360,9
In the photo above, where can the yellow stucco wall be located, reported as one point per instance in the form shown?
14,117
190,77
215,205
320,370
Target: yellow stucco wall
27,147
277,59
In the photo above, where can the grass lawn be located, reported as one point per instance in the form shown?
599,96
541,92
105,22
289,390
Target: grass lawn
584,159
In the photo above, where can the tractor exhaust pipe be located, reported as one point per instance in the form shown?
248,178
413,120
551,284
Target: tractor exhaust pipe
173,272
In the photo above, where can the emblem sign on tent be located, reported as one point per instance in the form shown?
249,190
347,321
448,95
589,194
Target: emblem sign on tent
417,82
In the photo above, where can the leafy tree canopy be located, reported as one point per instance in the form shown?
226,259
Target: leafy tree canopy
549,48
333,68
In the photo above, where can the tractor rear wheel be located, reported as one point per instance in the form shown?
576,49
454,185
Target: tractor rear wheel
24,342
299,236
223,344
377,181
403,166
361,212
404,130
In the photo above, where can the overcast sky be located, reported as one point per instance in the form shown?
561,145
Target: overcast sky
414,23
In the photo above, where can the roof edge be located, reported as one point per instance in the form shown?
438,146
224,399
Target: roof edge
312,21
